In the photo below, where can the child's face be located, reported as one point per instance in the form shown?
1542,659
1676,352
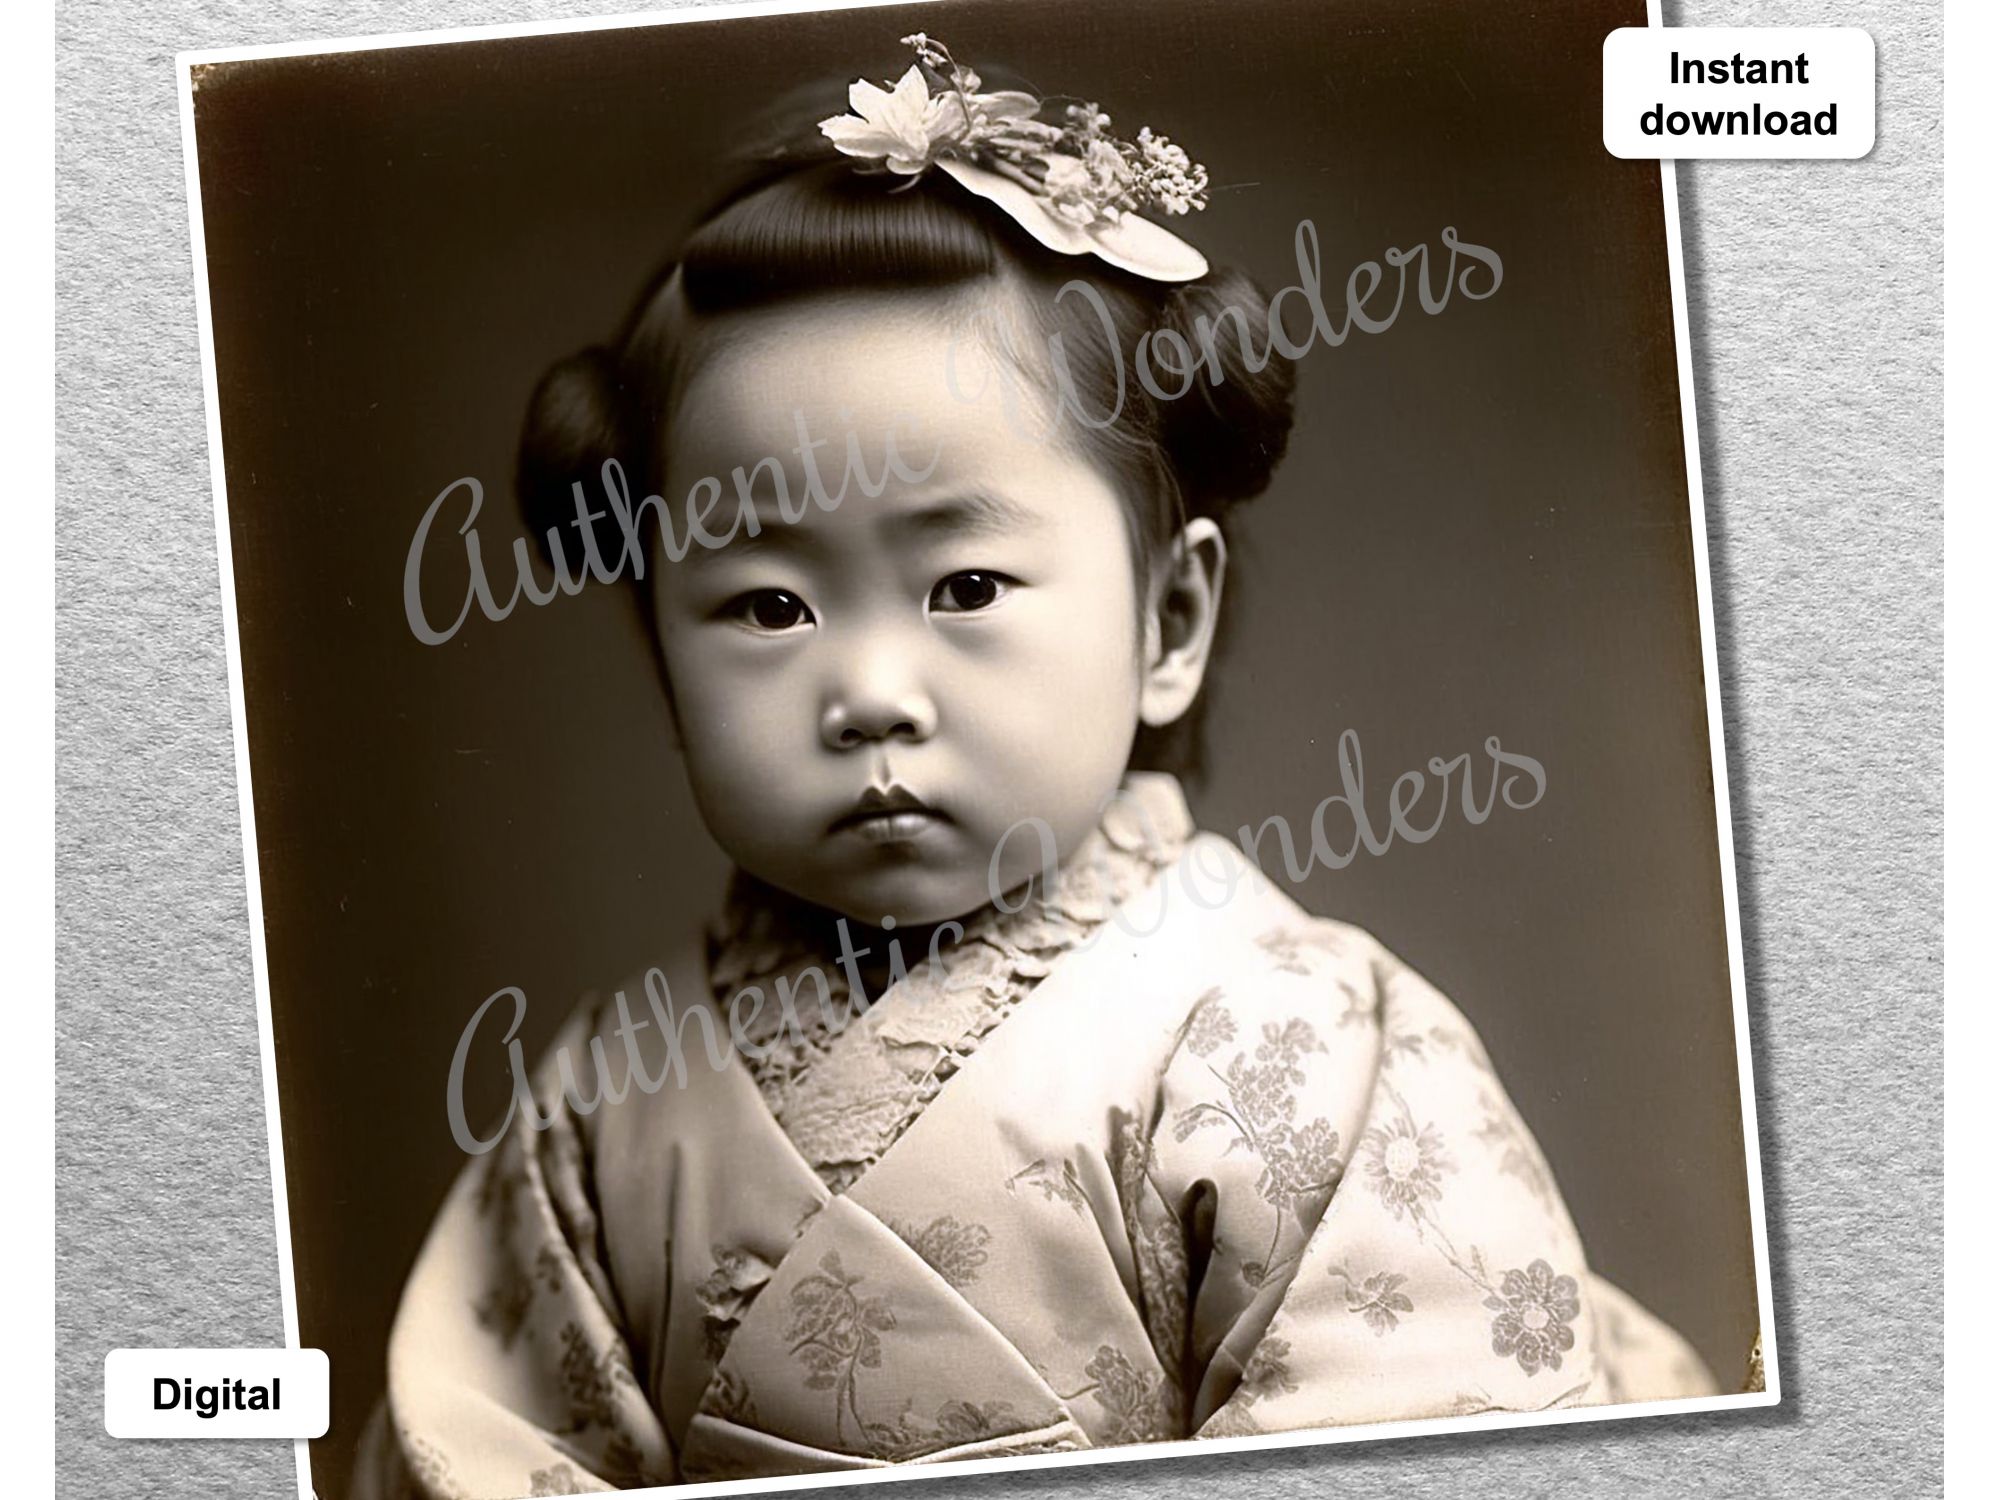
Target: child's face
969,642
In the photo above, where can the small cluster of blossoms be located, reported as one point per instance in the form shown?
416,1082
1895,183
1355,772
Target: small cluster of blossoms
1085,173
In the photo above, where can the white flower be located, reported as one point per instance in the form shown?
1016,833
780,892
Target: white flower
902,127
1166,174
1068,187
1083,175
1004,105
1108,171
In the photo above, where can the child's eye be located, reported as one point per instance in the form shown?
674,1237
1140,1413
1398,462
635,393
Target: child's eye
769,609
962,593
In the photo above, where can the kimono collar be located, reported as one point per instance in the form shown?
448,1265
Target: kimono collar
763,931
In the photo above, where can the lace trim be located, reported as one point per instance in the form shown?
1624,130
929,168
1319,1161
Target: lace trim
845,1086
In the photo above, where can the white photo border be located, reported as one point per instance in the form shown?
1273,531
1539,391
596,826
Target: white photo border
187,62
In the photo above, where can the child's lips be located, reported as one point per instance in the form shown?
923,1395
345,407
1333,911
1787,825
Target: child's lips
889,815
892,828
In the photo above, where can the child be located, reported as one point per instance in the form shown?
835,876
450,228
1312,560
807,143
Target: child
1040,1120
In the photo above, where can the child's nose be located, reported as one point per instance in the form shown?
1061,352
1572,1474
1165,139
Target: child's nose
876,703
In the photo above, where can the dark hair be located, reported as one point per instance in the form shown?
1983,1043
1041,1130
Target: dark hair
804,225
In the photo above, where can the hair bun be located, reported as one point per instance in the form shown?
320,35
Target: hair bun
1225,437
572,427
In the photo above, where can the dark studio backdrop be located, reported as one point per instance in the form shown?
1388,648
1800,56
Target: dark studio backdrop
1482,530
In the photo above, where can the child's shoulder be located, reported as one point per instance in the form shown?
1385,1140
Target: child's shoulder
1283,961
1231,907
660,1024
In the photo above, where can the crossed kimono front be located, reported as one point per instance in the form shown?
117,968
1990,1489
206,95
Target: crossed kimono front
1225,1169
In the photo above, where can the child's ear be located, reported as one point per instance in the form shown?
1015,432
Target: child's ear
1185,606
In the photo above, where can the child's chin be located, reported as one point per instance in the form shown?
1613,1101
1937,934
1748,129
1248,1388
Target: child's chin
911,897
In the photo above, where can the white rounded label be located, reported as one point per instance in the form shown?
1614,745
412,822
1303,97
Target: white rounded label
215,1393
1742,91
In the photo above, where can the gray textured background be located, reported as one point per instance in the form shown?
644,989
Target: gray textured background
1815,302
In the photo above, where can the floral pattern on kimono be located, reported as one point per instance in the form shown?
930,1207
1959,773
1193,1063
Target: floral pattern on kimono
1213,1168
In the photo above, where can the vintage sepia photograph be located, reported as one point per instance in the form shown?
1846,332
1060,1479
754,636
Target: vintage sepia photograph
972,734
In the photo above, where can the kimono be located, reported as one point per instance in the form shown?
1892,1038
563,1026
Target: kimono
1156,1156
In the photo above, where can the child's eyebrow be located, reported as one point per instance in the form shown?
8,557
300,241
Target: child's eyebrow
773,530
972,513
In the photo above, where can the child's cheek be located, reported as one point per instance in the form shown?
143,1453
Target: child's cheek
1026,662
730,707
1056,686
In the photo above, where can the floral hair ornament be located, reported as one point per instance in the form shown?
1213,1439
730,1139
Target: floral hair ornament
1074,186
